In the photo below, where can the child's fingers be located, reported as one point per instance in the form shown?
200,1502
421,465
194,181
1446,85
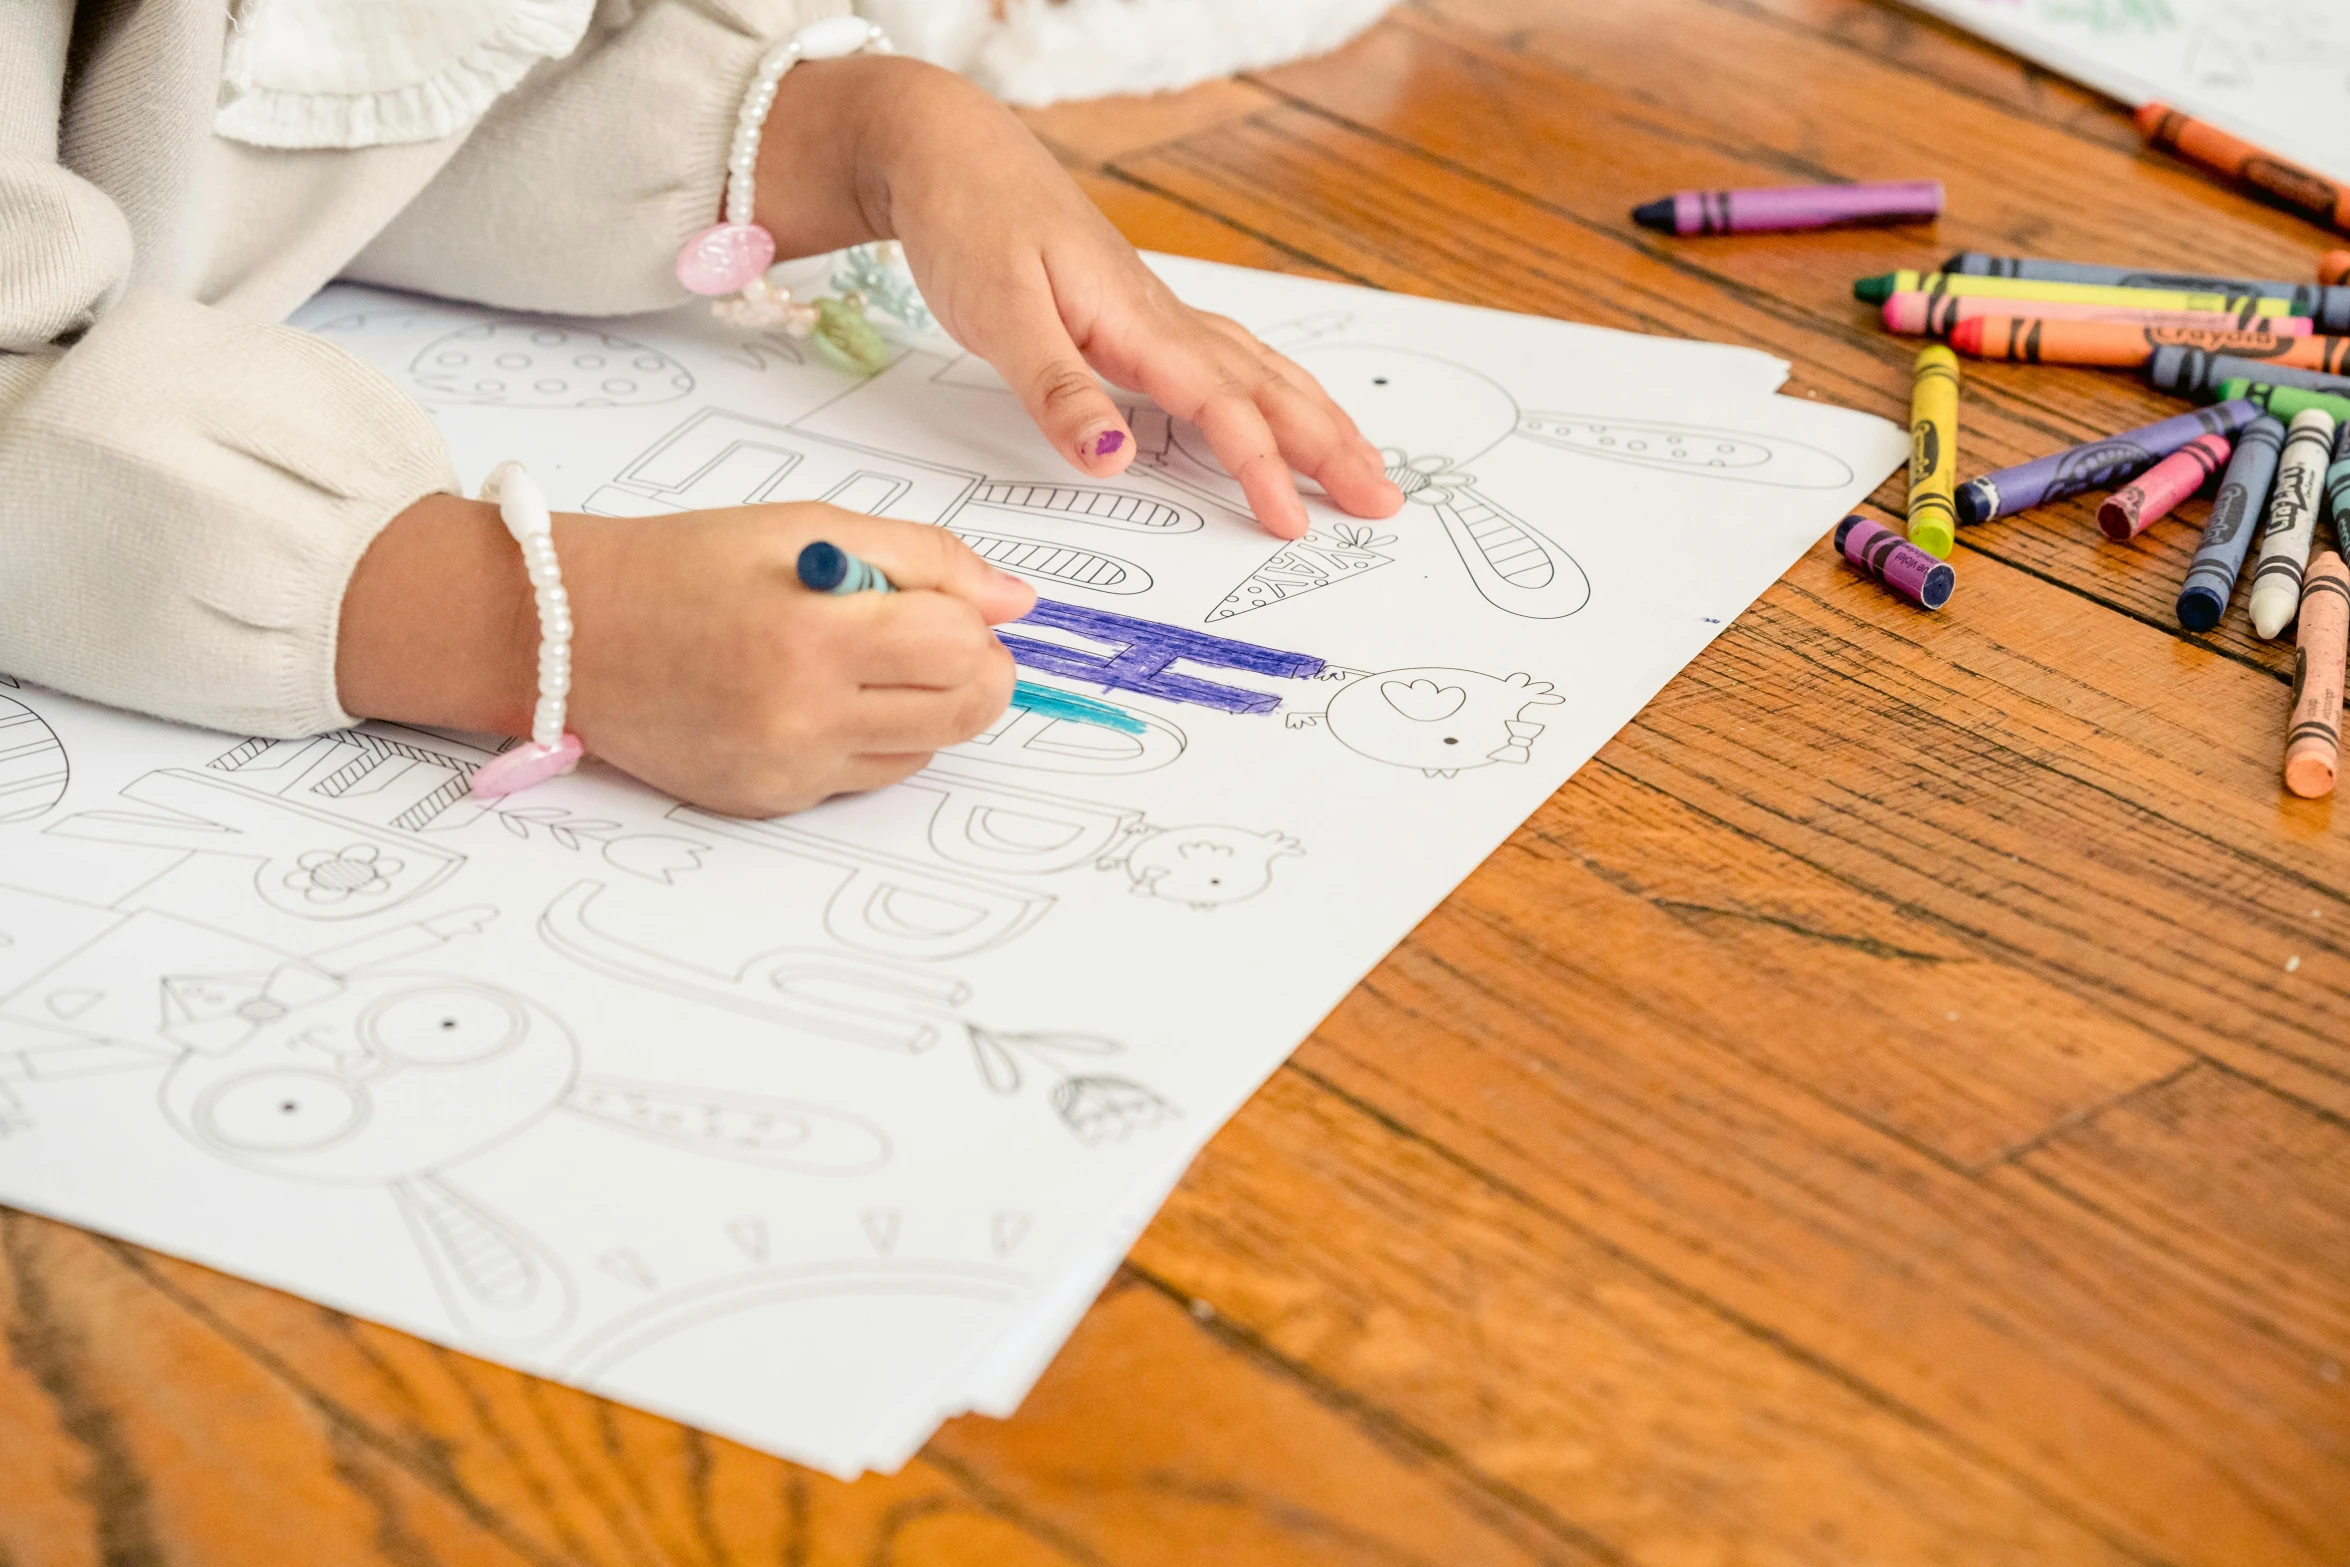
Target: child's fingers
915,556
1317,435
1033,352
908,719
862,774
926,640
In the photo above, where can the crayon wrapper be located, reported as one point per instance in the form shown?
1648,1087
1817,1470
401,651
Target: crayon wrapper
1890,558
2313,739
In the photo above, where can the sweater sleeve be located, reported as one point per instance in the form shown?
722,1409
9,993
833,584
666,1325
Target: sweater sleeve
183,494
576,190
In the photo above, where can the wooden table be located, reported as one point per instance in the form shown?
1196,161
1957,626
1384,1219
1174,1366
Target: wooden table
1893,1106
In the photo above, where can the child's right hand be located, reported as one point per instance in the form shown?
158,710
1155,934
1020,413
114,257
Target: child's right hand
699,662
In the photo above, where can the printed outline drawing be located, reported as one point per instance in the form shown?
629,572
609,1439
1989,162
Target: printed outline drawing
1035,742
1093,1106
988,825
693,1306
1406,717
804,988
716,457
35,768
327,1039
1328,554
342,825
889,905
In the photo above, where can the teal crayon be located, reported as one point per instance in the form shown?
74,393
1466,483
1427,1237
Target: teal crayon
827,568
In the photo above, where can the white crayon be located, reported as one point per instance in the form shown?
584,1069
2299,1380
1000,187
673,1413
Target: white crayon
2292,521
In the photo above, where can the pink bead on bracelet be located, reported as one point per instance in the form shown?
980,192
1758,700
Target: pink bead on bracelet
733,257
551,751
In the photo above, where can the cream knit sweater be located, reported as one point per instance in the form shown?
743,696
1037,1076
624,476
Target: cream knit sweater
185,485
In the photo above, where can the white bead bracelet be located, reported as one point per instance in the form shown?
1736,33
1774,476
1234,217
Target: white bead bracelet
551,750
732,257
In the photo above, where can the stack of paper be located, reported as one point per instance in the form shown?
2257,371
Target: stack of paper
817,1131
2275,72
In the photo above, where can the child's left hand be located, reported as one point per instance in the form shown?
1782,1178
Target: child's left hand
1023,271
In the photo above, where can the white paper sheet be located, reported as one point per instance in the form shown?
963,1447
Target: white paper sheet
2275,72
815,1132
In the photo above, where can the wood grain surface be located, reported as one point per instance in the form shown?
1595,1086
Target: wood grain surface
1893,1106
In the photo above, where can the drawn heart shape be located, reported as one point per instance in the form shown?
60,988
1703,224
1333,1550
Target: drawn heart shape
1423,701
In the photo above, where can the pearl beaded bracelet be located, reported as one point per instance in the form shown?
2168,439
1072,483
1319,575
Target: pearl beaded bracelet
551,751
732,257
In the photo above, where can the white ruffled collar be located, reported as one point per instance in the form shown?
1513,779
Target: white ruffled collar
362,73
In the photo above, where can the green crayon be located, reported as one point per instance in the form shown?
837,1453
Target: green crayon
2285,401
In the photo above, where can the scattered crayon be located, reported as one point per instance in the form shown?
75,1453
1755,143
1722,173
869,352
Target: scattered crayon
2292,522
1914,312
2135,507
2334,267
1776,207
1884,285
2338,485
2191,372
2330,305
2313,738
2112,460
2287,185
2235,514
2283,401
2116,343
1933,451
1897,563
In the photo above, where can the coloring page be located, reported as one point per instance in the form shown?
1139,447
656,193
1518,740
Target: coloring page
2276,72
816,1131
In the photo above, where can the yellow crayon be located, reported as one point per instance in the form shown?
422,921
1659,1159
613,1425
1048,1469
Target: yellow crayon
1952,285
1933,451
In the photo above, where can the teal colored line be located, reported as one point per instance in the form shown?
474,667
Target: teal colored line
1056,703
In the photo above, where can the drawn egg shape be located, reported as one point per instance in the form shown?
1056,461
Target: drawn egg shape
33,767
1059,563
1727,454
540,364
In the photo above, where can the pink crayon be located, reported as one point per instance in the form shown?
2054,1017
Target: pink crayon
2133,509
1791,207
1897,563
1915,313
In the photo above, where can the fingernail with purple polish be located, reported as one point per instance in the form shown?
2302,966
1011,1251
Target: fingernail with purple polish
1109,443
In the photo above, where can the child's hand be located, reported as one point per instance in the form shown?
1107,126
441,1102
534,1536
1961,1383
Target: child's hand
1024,272
699,662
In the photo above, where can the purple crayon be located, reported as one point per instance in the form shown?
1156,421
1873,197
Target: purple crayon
1791,207
1897,563
2095,465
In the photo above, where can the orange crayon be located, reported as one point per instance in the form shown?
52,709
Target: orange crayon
2313,740
2288,185
2042,340
1913,312
2334,267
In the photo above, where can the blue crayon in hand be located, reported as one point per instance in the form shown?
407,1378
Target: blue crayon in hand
827,568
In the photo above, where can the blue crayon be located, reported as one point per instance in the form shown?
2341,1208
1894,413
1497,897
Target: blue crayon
2197,372
2235,517
827,568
